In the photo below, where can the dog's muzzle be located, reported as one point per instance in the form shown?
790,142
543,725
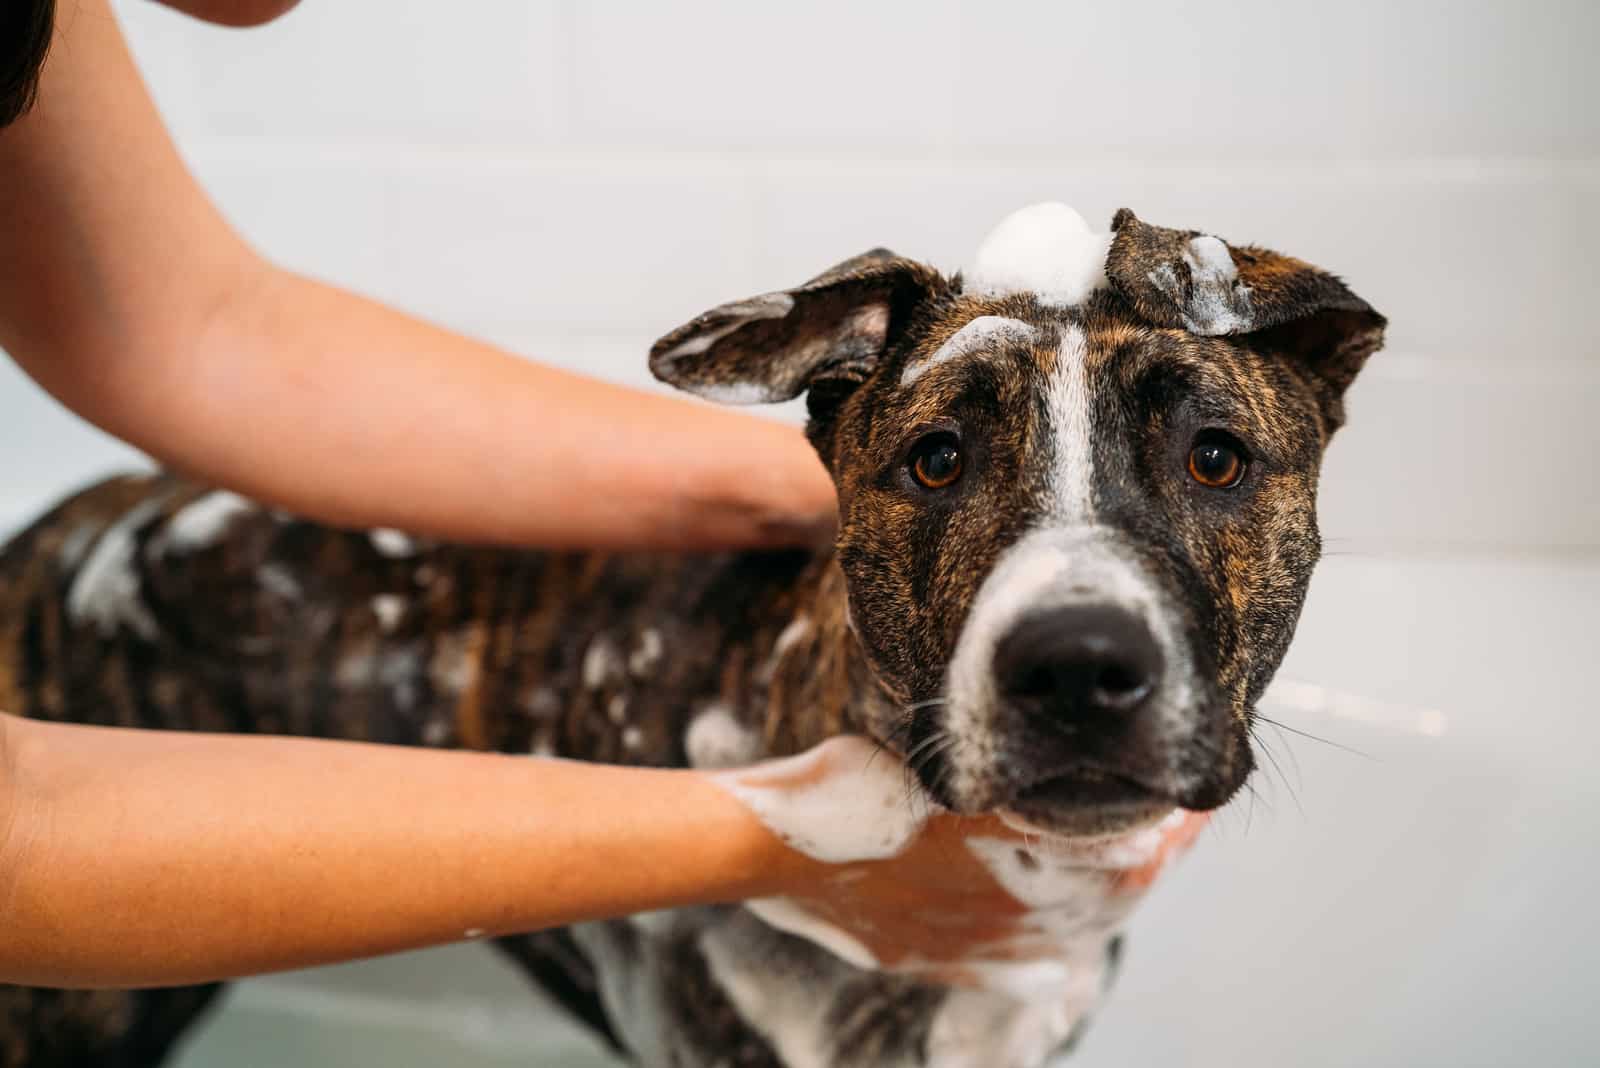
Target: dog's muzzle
1073,701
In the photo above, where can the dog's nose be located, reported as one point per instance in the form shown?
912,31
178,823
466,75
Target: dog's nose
1078,658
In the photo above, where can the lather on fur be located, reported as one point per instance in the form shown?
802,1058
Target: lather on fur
1043,593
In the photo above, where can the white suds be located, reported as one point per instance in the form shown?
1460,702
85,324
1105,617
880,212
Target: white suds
1046,250
472,932
106,589
1217,303
834,803
395,544
602,664
646,656
715,739
542,704
202,523
453,669
388,607
279,581
982,332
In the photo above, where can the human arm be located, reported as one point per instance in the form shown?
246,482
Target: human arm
140,858
137,858
127,296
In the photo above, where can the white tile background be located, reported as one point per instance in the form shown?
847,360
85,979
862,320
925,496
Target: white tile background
573,179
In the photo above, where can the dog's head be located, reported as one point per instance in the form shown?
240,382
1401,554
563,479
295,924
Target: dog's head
1077,495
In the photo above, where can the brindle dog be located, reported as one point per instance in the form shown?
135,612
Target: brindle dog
1077,501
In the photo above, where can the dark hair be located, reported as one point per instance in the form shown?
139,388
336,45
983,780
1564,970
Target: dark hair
25,28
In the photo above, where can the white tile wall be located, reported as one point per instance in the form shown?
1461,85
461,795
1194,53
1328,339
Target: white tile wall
574,179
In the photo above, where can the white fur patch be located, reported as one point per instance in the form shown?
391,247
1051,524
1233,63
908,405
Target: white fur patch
766,306
789,1010
1046,250
75,543
980,1029
737,394
980,333
1072,418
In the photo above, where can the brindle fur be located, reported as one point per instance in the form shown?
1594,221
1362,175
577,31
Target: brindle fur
282,626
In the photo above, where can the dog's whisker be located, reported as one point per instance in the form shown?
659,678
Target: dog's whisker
1277,766
1312,737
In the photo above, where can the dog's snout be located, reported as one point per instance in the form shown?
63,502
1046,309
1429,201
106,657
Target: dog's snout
1079,659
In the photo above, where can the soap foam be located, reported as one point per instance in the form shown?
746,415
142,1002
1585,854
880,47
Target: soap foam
1045,250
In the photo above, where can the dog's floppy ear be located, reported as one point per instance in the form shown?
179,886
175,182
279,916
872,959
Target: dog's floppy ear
776,346
1199,283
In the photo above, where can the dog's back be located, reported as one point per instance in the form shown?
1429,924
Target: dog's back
151,602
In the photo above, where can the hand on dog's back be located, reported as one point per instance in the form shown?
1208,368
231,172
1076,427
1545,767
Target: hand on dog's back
899,884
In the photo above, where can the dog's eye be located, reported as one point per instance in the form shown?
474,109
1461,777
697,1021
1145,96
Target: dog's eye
936,461
1216,461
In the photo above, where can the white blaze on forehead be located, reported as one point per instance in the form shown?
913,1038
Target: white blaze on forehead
1046,250
1071,424
980,333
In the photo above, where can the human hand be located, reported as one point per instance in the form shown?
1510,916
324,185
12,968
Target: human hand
902,885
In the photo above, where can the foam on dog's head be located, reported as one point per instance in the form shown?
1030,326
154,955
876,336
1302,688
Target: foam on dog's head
1046,250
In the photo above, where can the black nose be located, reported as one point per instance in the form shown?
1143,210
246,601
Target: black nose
1083,658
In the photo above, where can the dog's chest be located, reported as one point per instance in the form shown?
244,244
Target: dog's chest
816,994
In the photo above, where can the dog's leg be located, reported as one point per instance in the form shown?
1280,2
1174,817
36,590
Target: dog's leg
105,1028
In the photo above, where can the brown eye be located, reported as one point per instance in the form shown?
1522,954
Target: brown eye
936,461
1216,462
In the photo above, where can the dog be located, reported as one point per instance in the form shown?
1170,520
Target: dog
1077,521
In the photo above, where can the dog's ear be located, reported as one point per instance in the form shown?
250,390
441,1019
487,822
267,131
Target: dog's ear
774,347
1196,282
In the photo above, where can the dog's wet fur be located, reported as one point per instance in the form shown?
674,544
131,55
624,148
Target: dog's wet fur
1072,632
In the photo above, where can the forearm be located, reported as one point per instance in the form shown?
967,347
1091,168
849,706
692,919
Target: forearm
125,294
412,426
136,858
